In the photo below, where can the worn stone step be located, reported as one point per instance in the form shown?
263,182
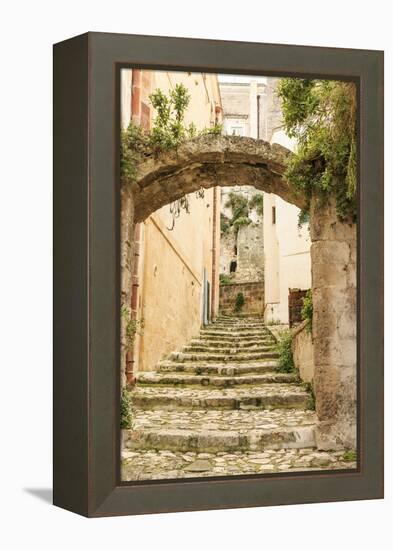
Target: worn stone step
234,334
221,440
236,328
231,338
228,350
180,379
230,357
263,396
239,316
223,369
239,325
225,324
218,343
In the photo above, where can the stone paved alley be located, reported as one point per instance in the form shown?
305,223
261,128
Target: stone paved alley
220,407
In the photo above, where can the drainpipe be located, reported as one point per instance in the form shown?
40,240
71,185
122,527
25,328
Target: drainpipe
136,119
131,353
258,110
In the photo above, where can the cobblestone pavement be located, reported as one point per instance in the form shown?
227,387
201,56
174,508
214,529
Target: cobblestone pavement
144,465
225,411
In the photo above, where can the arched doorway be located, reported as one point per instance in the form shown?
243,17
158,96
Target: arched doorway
209,161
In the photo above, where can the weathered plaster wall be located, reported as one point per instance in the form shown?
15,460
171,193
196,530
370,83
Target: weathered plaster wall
170,302
172,262
287,248
253,297
239,101
333,254
303,352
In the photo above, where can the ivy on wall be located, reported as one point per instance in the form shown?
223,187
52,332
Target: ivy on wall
168,132
321,116
240,207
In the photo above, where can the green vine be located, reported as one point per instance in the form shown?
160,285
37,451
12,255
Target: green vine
126,415
256,202
285,355
240,207
321,116
132,326
168,132
239,302
225,279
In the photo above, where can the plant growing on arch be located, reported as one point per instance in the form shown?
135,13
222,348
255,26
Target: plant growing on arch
168,132
321,116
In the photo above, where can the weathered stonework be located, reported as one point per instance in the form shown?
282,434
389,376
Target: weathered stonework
250,257
207,162
303,352
127,227
245,248
253,297
333,254
211,161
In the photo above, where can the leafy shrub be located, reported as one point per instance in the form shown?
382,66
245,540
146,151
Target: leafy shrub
284,349
168,132
132,326
256,203
239,302
321,116
126,416
307,309
225,279
241,221
224,223
349,456
238,204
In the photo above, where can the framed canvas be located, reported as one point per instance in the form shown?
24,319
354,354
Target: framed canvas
218,274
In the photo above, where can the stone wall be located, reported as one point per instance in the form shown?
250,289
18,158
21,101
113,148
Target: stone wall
253,297
245,249
333,254
303,352
250,256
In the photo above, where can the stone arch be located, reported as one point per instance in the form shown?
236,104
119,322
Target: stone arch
210,161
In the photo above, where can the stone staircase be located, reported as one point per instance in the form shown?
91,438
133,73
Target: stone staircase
219,407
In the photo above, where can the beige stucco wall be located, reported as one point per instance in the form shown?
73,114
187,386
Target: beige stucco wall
287,250
125,99
172,262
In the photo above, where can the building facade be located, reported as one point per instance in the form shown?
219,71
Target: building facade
286,244
242,256
272,249
176,281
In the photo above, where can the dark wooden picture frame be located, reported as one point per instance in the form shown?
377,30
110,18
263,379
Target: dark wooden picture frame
87,274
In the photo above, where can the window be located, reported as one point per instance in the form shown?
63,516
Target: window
232,267
237,131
